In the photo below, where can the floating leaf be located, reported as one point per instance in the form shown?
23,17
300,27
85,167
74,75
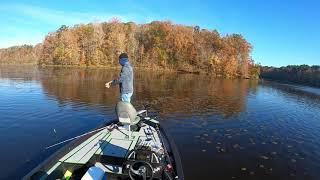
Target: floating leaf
236,146
264,157
270,169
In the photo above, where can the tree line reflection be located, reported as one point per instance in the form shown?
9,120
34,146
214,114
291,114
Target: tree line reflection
168,93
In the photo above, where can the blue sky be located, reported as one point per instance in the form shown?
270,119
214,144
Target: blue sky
282,32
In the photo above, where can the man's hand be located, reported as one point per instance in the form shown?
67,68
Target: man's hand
108,84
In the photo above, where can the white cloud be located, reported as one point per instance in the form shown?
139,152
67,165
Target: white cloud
29,24
58,17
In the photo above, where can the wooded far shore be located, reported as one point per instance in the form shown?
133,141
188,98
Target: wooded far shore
159,45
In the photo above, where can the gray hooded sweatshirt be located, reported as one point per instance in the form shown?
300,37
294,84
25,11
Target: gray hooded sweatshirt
125,80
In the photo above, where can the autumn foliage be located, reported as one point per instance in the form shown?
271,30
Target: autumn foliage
25,54
160,45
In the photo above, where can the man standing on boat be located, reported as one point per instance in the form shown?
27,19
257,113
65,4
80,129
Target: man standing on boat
125,80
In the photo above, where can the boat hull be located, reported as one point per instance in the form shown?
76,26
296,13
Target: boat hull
61,163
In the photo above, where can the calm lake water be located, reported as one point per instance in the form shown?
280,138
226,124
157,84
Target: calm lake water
224,129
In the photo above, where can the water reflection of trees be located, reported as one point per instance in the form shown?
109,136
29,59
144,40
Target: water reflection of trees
192,94
167,92
79,85
308,95
19,73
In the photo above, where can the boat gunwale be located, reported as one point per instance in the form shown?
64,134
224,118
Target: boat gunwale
176,155
55,157
61,152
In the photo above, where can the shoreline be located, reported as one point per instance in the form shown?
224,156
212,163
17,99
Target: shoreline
155,68
143,68
288,82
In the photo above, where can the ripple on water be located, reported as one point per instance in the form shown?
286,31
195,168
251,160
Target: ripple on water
223,117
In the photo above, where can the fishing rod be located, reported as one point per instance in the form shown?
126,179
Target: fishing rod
111,126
